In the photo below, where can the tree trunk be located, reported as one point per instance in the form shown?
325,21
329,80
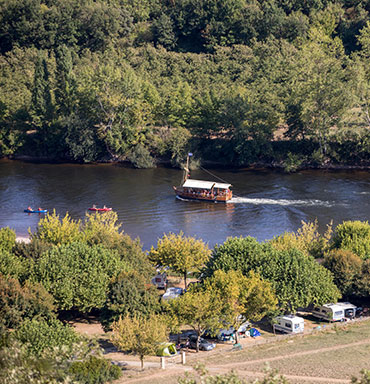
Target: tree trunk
142,362
236,337
198,340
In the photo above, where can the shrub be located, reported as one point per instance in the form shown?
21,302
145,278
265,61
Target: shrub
140,157
40,335
11,265
353,236
7,239
95,370
19,302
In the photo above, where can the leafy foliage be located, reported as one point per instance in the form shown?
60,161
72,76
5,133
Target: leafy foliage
242,297
94,370
353,236
346,268
298,280
78,275
51,229
139,336
307,240
19,302
129,295
182,254
7,239
40,335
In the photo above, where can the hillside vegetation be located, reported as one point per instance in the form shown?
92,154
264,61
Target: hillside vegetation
237,81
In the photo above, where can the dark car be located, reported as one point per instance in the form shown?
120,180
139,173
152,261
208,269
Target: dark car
204,345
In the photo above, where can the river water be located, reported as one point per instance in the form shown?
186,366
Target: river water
265,204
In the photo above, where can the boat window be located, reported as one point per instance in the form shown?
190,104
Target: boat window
288,325
296,326
338,313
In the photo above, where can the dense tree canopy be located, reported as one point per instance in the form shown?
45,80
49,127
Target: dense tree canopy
297,279
237,81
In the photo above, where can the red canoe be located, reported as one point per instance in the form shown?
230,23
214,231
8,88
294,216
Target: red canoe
100,209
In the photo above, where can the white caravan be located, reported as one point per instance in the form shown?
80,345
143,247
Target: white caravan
289,324
335,312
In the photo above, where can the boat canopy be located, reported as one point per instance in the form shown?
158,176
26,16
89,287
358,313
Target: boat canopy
190,183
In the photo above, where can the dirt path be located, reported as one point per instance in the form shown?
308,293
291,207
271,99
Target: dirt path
177,370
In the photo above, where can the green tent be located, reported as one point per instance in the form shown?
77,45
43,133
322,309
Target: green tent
166,349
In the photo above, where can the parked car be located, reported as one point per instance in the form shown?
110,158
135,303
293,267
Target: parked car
204,345
172,293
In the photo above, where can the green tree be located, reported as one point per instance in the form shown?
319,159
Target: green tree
129,294
7,239
182,254
298,280
139,336
345,267
78,275
51,229
242,297
353,236
201,310
19,302
41,334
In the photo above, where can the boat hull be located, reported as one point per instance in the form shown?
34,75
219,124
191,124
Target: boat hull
202,196
100,209
32,211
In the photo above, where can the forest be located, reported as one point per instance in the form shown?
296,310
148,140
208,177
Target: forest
239,82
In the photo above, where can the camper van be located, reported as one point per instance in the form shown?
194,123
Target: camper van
335,312
289,324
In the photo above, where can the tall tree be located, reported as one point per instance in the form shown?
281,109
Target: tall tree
139,336
182,254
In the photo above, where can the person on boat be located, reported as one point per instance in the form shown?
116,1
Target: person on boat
104,207
29,208
39,209
94,206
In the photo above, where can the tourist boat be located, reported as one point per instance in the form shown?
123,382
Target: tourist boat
28,210
104,209
202,190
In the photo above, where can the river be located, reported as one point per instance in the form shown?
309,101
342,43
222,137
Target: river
266,203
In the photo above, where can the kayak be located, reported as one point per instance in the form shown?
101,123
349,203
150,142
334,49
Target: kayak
35,211
100,209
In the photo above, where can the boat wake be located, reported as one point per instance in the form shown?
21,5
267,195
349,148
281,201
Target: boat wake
285,202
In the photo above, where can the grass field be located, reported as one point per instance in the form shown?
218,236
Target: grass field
331,356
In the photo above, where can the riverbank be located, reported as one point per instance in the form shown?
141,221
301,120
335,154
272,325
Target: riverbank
23,239
162,162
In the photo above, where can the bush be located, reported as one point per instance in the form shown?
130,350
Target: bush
353,236
23,302
11,265
7,239
40,335
140,157
95,370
